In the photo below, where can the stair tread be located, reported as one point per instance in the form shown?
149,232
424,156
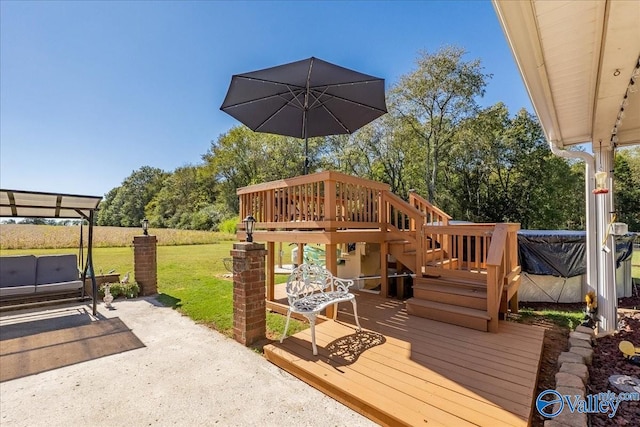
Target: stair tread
452,281
471,312
475,291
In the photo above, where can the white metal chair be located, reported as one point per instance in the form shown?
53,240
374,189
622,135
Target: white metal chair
311,289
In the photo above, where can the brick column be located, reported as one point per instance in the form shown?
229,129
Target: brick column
146,264
249,308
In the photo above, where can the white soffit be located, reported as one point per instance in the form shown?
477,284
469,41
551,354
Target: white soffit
568,53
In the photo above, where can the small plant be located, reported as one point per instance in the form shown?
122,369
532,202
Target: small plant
126,290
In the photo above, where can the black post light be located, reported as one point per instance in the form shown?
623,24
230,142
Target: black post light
249,221
145,227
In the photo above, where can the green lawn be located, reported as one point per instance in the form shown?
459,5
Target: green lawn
635,265
189,279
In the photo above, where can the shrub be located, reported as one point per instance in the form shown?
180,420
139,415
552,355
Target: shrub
127,290
229,225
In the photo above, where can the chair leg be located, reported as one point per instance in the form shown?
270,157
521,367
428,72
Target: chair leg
335,311
286,326
355,313
312,322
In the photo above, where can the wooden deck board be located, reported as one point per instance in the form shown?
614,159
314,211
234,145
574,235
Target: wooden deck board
424,372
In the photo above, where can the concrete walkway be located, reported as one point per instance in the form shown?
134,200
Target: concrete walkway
187,375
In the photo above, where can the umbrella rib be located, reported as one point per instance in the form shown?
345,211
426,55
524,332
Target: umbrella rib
288,85
265,98
360,104
374,80
270,117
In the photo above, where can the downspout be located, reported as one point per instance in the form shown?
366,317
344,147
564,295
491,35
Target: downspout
590,210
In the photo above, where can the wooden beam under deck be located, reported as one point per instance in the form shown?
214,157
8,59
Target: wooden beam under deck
414,371
318,236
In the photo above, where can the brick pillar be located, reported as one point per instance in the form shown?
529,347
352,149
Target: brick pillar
249,308
146,264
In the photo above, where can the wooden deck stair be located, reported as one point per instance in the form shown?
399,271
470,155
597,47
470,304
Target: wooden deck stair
459,302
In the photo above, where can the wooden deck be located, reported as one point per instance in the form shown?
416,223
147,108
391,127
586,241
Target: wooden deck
406,370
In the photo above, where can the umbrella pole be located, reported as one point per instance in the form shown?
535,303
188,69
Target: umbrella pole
306,155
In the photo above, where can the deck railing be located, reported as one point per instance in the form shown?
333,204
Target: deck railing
464,249
326,200
502,266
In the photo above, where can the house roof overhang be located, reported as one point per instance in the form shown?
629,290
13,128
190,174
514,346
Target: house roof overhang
577,59
30,204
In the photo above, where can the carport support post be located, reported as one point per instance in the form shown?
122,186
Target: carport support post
249,307
146,264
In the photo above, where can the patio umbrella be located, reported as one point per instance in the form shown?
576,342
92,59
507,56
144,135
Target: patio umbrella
305,99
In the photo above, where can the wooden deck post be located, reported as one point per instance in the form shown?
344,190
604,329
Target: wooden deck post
300,259
249,306
384,270
271,271
331,261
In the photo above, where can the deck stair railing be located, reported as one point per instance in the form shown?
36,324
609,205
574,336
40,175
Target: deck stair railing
433,215
404,227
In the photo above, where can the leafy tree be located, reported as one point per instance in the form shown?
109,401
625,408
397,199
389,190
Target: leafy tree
627,187
34,221
242,157
186,200
434,99
124,206
471,165
529,184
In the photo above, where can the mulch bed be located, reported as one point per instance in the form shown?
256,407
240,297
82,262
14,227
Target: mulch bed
608,360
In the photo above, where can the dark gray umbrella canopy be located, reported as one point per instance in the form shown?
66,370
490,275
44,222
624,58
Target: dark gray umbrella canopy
305,98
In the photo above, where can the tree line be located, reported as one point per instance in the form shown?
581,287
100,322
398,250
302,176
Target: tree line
477,164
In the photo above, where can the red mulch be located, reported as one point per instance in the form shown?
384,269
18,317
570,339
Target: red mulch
607,359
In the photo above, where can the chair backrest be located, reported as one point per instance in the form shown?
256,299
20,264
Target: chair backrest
307,279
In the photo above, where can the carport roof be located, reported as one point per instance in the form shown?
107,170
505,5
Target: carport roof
31,204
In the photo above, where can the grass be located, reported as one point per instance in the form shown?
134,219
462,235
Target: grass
189,279
635,264
567,319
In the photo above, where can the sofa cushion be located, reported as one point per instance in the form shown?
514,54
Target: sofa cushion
17,271
59,287
56,268
17,290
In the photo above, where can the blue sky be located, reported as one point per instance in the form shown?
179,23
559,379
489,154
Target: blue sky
91,91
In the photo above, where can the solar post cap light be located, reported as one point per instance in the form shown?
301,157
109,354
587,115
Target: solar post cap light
145,227
249,221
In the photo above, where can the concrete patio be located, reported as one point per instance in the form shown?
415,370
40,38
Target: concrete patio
186,374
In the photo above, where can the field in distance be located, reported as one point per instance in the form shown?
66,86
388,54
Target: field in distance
28,236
